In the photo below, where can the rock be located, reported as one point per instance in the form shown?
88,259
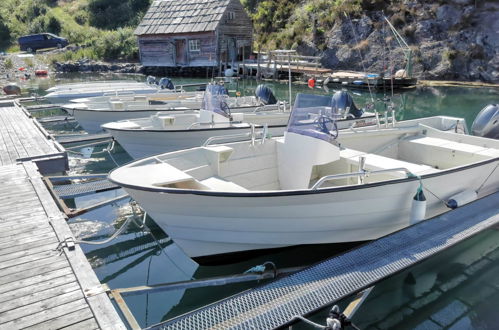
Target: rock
448,15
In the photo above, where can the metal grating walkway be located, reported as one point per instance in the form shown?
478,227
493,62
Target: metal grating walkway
273,305
81,189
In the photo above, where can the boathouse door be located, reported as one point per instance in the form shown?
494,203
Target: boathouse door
232,46
180,52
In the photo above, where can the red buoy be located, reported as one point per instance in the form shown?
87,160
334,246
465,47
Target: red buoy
41,72
311,83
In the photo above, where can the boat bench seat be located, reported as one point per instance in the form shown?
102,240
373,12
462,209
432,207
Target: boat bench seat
376,162
219,184
442,153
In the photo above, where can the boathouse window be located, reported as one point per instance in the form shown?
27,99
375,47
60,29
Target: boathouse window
231,15
194,45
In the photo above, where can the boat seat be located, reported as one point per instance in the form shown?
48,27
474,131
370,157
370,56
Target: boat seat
219,184
376,162
442,153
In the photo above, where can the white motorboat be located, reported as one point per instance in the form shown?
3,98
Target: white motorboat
65,93
313,185
165,132
91,118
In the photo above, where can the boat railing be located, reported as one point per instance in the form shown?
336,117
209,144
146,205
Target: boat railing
252,134
363,173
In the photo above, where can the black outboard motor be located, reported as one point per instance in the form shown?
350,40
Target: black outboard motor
265,94
216,89
343,100
486,123
165,83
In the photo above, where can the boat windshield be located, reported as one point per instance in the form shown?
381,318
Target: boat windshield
215,100
315,116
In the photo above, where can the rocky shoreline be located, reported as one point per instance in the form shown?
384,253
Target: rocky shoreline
97,66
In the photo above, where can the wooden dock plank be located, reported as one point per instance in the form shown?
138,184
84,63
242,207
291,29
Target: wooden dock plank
41,287
37,288
89,324
39,297
26,252
6,283
80,319
45,269
51,242
44,315
21,137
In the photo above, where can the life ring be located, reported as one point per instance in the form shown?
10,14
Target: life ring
311,83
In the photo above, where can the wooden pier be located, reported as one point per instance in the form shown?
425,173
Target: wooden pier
46,281
280,62
22,138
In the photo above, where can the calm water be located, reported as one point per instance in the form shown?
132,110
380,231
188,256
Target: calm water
447,291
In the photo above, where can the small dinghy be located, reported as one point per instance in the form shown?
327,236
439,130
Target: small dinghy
314,185
164,132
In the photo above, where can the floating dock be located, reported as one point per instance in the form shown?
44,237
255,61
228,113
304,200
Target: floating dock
276,304
46,281
22,138
364,80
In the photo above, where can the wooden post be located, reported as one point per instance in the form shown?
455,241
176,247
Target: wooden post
258,64
275,66
244,66
289,77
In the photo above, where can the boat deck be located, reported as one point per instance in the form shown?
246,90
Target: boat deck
23,139
275,304
41,286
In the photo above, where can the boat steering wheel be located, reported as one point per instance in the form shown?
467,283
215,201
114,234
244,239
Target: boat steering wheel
327,125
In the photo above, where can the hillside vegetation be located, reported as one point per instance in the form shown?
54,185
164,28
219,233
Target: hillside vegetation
449,39
103,28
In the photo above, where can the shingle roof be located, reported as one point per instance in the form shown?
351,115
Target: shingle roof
182,16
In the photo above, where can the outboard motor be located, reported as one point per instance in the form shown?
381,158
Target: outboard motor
343,100
265,94
12,89
486,123
216,89
165,83
151,80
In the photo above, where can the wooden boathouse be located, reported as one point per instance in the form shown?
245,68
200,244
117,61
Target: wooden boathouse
195,33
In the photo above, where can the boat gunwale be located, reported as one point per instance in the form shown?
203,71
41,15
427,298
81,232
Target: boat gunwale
298,192
210,129
66,107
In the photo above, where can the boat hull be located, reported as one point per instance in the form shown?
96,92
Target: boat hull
143,143
91,120
140,144
210,224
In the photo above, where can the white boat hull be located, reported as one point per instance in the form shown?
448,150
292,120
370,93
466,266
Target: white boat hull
140,144
215,224
91,120
143,143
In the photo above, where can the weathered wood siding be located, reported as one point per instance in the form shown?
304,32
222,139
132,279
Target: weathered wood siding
160,50
235,24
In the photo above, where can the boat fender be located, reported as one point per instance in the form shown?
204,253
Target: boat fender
311,83
418,208
463,198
